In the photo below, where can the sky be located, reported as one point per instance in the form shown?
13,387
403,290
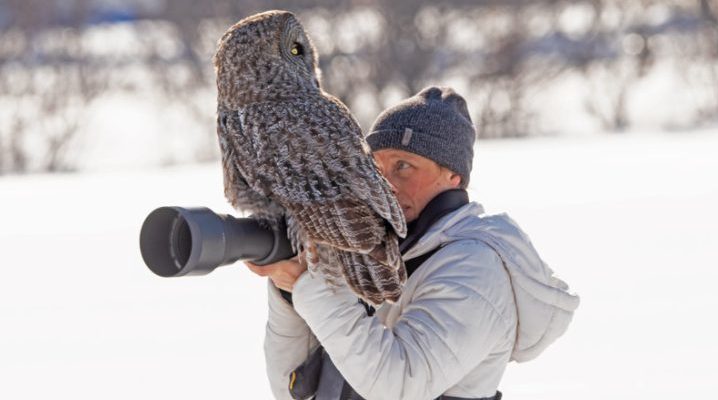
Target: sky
628,221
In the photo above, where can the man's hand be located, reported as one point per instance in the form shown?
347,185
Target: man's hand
282,273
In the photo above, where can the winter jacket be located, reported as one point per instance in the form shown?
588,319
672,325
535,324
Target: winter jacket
484,298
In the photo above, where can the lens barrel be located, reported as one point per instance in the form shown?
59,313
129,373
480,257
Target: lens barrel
177,241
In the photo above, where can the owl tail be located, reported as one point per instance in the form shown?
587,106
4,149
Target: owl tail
378,276
388,253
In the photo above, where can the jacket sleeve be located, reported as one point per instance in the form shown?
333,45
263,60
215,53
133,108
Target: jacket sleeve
287,342
445,331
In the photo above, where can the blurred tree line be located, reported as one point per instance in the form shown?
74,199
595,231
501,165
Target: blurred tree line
55,60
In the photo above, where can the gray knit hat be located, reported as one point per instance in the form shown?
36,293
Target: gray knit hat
435,124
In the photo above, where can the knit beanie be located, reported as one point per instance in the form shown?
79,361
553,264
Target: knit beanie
435,124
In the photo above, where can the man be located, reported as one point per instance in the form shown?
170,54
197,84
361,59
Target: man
474,300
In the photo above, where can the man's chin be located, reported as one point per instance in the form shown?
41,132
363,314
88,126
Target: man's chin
408,214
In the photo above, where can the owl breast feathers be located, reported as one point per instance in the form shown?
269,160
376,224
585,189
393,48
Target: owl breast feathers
290,150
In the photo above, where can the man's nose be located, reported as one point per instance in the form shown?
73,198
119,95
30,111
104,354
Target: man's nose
392,186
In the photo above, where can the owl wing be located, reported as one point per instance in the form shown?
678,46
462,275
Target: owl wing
237,170
373,189
310,156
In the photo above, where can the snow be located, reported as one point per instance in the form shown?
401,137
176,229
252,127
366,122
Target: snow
627,220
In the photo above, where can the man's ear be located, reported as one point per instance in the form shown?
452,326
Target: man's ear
455,180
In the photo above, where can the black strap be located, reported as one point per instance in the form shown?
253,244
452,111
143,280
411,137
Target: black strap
286,295
416,262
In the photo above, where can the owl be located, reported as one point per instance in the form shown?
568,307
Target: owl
292,152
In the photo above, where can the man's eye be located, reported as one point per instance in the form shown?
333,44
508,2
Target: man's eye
402,165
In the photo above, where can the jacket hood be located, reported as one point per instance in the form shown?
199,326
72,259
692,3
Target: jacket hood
543,303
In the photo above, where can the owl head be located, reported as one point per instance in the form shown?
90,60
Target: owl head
263,57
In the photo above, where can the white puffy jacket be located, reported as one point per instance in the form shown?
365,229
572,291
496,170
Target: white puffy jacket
483,299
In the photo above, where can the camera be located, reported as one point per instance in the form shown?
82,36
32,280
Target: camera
178,241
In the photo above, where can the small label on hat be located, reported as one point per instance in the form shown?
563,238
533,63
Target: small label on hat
406,138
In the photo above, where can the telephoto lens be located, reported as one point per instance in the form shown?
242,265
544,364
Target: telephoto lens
177,241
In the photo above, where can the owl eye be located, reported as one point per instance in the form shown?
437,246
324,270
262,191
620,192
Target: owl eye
297,49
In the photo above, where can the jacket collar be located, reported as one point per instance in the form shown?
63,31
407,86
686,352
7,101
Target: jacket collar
443,204
457,224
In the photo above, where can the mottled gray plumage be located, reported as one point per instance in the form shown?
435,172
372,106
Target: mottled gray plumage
290,150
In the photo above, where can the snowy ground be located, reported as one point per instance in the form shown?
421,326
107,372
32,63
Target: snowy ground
628,221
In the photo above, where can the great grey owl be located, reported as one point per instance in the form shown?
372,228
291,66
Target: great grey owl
291,151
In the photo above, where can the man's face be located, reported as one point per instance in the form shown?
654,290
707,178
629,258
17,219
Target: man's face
415,179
